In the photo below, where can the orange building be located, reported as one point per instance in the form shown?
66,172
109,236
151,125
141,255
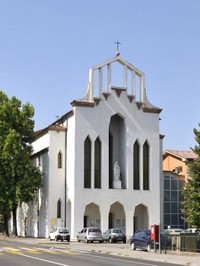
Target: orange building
177,161
175,173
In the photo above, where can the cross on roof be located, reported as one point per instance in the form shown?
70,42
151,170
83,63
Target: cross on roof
117,43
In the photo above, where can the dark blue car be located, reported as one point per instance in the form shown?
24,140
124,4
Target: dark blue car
141,239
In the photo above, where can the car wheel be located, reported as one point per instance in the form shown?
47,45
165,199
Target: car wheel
68,240
148,247
78,239
101,241
56,238
110,240
86,240
133,246
124,241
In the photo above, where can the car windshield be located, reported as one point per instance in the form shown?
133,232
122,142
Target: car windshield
117,231
147,232
177,230
63,230
95,230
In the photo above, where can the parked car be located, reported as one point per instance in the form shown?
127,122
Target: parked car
60,233
141,239
192,230
90,234
114,235
175,231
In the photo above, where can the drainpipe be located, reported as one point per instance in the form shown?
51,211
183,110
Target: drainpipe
65,204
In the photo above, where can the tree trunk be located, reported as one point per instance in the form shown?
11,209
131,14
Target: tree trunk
5,225
15,219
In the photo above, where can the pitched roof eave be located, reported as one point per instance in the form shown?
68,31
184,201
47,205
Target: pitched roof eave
183,155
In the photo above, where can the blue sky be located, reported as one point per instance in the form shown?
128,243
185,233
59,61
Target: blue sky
48,46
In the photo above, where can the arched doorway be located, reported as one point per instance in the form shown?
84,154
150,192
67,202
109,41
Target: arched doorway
117,217
92,216
141,218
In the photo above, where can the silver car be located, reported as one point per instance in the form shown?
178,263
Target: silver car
114,235
90,234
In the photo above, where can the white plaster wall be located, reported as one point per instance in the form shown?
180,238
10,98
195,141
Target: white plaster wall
41,143
42,198
70,161
138,125
56,176
95,122
37,210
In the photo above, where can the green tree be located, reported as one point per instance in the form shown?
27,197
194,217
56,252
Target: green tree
191,193
19,178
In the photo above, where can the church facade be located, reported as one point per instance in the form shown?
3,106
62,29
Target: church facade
102,161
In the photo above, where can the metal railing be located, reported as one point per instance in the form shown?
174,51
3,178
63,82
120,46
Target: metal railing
186,242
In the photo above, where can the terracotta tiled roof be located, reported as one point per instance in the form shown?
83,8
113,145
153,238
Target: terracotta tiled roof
51,127
181,154
57,125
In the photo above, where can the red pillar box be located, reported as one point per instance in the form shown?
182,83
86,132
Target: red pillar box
154,234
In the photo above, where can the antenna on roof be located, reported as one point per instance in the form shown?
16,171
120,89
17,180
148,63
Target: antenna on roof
117,52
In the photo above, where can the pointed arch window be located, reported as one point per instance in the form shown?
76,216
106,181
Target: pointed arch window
59,208
97,163
136,166
146,166
59,160
87,163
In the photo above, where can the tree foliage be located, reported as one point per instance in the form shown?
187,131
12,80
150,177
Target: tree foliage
191,202
19,178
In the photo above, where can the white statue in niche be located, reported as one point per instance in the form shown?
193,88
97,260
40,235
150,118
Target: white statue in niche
116,171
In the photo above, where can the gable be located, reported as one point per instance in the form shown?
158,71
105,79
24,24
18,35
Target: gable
99,89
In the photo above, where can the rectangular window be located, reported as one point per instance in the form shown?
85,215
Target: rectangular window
166,207
166,184
174,208
174,195
173,198
173,184
166,195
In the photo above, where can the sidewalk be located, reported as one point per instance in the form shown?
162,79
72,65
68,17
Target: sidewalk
181,258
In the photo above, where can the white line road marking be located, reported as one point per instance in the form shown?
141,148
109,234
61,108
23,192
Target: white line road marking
121,260
49,261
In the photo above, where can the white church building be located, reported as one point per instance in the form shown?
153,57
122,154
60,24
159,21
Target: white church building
102,161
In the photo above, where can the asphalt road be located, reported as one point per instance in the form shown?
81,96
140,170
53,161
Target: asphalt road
24,254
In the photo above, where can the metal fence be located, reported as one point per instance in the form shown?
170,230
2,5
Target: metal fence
186,242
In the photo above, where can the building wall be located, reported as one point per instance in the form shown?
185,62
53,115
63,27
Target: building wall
173,188
32,218
56,178
123,207
138,126
172,195
170,162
